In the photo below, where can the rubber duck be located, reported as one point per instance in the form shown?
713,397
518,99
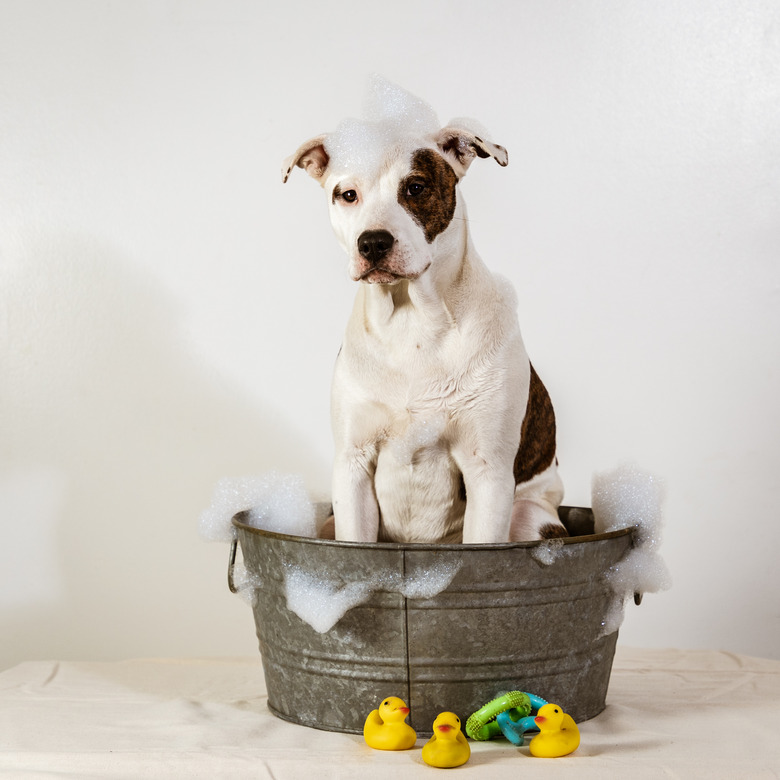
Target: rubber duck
447,747
558,733
385,728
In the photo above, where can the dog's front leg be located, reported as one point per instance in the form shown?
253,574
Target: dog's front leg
357,431
355,508
489,497
484,449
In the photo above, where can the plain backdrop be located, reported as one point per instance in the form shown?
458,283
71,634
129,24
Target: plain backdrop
170,312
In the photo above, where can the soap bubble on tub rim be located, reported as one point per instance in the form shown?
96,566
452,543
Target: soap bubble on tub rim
629,497
548,551
428,582
274,501
318,602
322,603
247,584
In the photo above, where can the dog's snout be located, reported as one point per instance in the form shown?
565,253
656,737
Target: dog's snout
373,245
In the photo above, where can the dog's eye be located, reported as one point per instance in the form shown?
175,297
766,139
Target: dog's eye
415,188
350,196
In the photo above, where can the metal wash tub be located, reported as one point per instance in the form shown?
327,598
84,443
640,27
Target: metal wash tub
518,616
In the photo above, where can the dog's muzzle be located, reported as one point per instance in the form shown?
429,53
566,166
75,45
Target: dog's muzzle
374,246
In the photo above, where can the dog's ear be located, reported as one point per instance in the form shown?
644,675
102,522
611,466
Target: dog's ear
461,146
310,156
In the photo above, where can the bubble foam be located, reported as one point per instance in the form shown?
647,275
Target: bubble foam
274,502
628,497
391,114
322,603
548,552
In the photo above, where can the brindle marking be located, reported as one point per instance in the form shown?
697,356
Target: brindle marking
433,206
537,442
552,531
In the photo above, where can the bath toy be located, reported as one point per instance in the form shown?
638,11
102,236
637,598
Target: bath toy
514,727
447,747
385,728
558,733
482,724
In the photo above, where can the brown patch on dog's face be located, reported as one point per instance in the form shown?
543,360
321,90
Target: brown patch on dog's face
428,192
537,440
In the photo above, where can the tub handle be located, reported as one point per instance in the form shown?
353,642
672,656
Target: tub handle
232,565
637,594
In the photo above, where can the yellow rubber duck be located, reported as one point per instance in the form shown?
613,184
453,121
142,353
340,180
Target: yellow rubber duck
385,728
558,733
447,747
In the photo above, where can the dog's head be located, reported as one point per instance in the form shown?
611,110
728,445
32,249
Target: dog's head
392,199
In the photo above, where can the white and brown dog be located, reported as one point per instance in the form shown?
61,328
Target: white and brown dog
443,430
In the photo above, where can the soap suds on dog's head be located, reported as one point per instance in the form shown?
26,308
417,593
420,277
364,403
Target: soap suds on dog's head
392,117
628,497
387,102
391,114
274,502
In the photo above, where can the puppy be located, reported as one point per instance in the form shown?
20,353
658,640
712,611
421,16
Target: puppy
443,430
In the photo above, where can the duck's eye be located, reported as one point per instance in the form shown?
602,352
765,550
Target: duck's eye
415,188
385,703
350,196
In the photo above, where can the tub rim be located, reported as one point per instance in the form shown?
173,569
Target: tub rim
237,523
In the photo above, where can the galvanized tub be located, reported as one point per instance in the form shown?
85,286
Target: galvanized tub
517,616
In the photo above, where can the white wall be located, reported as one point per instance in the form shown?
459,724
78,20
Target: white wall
169,312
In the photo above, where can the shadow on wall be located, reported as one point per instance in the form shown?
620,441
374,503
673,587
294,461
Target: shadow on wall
113,438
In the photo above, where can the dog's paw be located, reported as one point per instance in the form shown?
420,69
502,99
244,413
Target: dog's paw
531,522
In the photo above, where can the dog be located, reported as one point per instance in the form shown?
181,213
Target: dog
443,431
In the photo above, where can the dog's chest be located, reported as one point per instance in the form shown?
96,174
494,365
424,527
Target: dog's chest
417,477
414,373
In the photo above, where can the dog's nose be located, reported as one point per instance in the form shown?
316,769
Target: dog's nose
373,245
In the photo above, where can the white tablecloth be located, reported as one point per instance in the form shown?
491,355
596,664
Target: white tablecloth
670,713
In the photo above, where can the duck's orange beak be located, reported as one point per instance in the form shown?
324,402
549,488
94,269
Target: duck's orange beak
445,727
540,719
405,710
